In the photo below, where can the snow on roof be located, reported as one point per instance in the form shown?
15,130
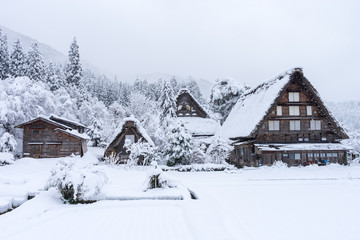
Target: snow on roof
302,146
252,107
44,118
139,127
74,133
200,126
66,120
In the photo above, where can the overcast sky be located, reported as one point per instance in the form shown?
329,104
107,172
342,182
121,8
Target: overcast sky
250,41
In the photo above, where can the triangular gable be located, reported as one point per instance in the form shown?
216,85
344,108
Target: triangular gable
45,119
252,108
187,106
137,128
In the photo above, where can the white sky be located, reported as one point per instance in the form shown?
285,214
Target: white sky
248,40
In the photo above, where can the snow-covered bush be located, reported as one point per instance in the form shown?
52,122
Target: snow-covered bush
6,158
77,184
218,150
156,178
177,149
279,164
7,143
140,152
198,155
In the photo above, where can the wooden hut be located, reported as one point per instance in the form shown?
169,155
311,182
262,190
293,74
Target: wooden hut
46,137
284,120
130,129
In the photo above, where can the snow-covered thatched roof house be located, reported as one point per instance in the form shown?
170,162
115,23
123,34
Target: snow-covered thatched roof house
53,137
196,120
279,119
129,129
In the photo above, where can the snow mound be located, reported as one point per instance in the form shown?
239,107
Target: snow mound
6,158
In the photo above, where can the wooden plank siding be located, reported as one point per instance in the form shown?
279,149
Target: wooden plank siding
41,140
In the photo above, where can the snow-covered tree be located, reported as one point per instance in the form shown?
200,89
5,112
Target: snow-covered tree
218,150
35,65
224,95
177,149
167,103
198,154
73,68
17,65
54,76
4,57
7,143
140,152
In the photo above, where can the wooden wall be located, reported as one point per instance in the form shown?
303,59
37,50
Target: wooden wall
40,140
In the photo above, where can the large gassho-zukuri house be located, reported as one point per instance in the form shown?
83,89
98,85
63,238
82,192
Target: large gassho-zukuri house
47,137
130,129
195,119
284,120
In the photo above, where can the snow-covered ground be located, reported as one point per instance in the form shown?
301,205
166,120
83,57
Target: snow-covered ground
254,203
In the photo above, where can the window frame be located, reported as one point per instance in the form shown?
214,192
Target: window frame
295,125
294,97
274,125
309,111
278,110
294,110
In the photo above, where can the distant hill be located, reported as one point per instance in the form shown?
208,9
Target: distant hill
48,52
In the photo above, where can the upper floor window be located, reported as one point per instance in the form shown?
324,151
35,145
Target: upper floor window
294,97
294,110
279,110
295,125
130,138
308,110
274,125
315,125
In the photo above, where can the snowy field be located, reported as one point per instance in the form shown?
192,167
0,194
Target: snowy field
254,203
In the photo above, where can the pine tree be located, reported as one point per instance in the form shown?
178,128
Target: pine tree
54,76
177,149
73,68
4,57
167,104
35,65
17,65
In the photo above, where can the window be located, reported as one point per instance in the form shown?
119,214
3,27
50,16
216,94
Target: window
130,137
316,155
274,125
295,125
279,110
294,111
285,155
310,155
315,125
295,156
301,139
306,139
323,139
328,154
335,155
308,110
293,96
322,154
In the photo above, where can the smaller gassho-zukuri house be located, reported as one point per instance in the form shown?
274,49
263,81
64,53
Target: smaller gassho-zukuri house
130,129
47,137
196,120
284,120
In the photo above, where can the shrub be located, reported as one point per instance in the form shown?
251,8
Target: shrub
76,184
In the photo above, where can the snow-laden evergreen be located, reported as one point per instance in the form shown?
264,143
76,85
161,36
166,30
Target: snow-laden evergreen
35,65
4,57
17,65
167,103
218,150
178,148
73,68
